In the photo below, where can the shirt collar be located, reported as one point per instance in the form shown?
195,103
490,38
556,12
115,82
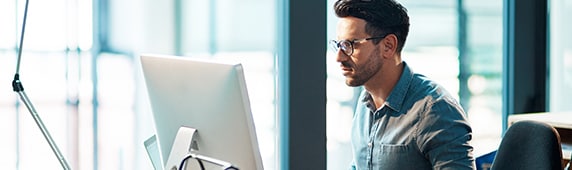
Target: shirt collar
397,95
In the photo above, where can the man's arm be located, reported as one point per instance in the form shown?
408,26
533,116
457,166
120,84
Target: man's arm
444,136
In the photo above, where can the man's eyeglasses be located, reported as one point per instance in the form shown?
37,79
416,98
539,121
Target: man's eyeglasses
347,46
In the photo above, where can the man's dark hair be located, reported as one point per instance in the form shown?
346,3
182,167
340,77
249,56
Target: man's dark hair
382,17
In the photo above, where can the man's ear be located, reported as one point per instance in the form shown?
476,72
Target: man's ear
389,45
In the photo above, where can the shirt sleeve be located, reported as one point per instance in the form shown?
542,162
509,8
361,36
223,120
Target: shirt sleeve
444,135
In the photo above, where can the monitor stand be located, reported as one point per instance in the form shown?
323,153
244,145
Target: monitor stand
184,145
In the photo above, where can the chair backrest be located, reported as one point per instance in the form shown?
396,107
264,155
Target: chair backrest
529,145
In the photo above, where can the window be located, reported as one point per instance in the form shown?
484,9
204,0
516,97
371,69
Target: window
560,55
54,48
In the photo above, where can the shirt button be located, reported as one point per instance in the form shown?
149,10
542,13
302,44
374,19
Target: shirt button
369,144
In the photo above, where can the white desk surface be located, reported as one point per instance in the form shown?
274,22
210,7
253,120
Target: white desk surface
556,119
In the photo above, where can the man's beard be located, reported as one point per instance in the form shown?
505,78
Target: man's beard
364,72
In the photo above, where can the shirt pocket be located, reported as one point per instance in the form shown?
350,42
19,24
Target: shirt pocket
392,156
393,148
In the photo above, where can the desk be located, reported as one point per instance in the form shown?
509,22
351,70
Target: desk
561,121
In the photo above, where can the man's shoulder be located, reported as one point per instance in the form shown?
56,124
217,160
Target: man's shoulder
423,88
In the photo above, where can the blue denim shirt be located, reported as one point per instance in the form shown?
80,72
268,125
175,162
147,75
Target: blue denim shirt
420,126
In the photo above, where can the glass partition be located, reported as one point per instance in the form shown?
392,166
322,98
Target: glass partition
560,46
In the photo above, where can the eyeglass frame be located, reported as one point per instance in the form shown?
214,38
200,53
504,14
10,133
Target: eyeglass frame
337,45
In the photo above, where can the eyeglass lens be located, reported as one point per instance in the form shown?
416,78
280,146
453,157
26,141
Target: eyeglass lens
344,45
347,47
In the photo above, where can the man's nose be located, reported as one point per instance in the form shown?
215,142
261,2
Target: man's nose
341,56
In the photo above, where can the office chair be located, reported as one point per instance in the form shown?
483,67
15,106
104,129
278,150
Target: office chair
529,145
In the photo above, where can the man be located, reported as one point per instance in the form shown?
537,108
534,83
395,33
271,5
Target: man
403,120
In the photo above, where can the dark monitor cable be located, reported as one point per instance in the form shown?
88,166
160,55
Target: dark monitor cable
201,158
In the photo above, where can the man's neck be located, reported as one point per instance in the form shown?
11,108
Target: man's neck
382,83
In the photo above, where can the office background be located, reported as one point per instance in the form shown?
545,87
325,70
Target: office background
80,69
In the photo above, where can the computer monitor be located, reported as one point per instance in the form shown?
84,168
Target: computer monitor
207,95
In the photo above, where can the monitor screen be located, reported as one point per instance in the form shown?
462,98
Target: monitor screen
209,96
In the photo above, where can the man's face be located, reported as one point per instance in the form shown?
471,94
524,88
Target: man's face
365,61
